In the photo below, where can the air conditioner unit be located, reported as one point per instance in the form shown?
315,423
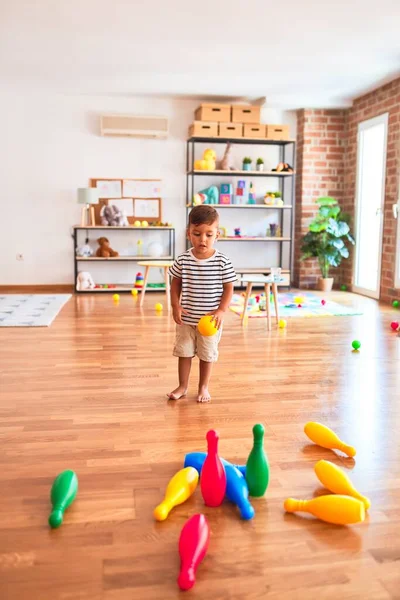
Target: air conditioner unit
131,126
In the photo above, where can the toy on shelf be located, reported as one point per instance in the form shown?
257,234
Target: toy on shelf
222,231
63,493
209,195
283,168
139,281
136,224
237,232
274,230
105,250
273,199
225,193
144,224
84,251
140,247
112,216
207,163
225,163
241,195
252,196
84,281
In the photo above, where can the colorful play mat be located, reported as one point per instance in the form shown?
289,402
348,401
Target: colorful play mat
300,304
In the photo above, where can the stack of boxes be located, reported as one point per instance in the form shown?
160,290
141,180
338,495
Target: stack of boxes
225,196
237,121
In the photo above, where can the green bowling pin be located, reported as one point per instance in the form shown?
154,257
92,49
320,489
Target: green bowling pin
257,467
63,493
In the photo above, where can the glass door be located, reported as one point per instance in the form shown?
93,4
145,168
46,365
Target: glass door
370,197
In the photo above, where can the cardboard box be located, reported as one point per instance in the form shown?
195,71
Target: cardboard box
200,129
254,130
231,130
245,113
277,132
213,112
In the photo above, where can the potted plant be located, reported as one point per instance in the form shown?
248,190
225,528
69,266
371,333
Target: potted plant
260,164
326,239
272,198
247,163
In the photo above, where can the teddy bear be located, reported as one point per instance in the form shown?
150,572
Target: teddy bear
207,163
84,281
105,251
113,216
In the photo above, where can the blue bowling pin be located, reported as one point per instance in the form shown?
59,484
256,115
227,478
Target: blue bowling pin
196,460
237,491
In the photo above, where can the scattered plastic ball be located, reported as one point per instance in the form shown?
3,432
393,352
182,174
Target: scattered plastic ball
394,325
299,299
116,297
299,306
158,307
252,302
136,224
282,323
134,292
396,304
343,287
323,302
206,326
356,344
145,224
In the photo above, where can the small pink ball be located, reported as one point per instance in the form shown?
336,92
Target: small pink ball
323,302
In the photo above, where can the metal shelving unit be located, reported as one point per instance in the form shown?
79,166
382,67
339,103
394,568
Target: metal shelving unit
119,259
282,177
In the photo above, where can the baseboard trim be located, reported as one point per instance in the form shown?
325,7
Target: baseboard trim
59,288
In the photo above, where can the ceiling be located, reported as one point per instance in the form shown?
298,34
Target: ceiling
301,53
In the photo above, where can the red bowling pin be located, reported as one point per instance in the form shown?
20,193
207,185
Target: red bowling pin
213,477
193,546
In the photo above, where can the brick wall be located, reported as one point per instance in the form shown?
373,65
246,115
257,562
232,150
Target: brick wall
326,165
384,99
321,137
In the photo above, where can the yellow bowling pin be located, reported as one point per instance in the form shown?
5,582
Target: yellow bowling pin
337,481
340,510
325,437
179,489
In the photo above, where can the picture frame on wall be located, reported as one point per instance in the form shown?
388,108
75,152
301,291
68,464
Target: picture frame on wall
148,209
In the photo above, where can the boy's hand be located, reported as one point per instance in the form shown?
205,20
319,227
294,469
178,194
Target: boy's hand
177,312
218,317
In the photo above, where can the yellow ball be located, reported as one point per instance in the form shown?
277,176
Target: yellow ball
158,306
136,224
134,292
116,297
206,327
299,299
145,224
282,323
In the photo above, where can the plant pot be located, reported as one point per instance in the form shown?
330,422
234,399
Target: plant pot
325,284
260,167
246,167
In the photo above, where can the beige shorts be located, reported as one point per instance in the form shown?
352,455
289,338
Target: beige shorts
189,343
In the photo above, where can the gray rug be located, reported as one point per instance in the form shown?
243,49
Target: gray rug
30,310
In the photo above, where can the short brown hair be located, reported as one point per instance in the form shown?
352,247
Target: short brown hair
203,214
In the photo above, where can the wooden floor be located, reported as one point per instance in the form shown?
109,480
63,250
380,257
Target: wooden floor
88,393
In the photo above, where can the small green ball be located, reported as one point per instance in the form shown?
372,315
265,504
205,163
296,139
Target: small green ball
396,304
343,287
356,344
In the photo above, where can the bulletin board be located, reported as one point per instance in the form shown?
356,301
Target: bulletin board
139,198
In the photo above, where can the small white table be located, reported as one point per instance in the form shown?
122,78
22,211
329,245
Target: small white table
157,264
269,283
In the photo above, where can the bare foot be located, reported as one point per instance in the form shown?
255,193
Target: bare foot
179,392
204,395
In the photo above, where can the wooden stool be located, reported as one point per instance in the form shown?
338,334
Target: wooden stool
159,265
268,283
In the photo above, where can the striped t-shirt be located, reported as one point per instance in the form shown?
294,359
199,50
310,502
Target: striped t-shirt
202,283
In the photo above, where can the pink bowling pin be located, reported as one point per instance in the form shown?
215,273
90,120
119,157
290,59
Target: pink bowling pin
213,477
193,546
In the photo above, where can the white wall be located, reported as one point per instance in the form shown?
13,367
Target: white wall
51,146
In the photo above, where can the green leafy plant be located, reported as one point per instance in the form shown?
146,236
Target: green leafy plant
247,160
273,194
260,161
327,236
